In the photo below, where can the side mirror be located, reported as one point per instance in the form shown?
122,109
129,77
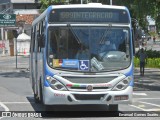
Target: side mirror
133,40
41,40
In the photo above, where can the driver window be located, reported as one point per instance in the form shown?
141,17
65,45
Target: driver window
62,44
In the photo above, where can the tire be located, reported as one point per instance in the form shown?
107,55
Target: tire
41,93
48,108
113,107
36,99
39,99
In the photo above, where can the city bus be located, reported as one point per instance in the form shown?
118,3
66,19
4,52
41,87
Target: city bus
82,55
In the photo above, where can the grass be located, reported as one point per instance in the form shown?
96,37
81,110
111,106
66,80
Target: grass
151,62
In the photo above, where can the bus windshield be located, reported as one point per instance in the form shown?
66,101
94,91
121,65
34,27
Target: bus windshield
88,49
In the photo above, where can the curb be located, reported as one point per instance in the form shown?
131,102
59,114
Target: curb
14,70
149,86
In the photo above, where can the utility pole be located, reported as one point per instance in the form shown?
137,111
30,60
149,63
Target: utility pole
81,1
15,34
110,2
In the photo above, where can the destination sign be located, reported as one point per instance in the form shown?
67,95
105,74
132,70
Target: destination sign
89,15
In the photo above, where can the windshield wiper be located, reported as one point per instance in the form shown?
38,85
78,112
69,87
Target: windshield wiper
71,29
106,32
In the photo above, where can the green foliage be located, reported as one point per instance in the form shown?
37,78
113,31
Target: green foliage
46,3
150,54
152,33
151,62
139,9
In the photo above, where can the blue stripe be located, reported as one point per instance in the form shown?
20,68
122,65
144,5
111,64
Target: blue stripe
131,83
130,72
46,84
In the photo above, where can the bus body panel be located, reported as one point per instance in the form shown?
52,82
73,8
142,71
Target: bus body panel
52,97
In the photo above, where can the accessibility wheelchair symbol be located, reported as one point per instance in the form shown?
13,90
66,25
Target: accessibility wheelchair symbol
84,65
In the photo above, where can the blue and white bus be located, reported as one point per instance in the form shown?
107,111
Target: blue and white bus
82,54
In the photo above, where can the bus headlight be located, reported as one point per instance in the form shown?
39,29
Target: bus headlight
122,84
55,84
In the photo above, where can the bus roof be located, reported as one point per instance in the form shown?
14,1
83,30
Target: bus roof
90,5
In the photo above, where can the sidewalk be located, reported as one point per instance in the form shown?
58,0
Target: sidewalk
8,63
150,80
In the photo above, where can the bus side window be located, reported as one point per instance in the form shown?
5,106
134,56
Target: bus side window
32,40
39,32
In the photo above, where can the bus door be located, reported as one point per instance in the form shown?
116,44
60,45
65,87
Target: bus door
31,57
35,63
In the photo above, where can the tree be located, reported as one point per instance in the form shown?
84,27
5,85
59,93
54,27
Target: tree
47,3
139,9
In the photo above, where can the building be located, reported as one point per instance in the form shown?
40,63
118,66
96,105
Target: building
26,11
151,24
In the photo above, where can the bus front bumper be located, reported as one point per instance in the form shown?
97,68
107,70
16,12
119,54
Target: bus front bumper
53,97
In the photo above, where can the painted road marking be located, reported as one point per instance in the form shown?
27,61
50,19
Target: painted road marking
137,107
154,109
151,110
141,106
146,98
17,102
144,94
5,108
149,103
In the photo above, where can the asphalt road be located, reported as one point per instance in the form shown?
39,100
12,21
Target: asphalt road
16,95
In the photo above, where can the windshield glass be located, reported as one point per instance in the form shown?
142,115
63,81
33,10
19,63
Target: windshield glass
88,49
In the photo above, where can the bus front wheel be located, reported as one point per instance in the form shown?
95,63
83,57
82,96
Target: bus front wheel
36,98
41,93
113,107
48,108
39,99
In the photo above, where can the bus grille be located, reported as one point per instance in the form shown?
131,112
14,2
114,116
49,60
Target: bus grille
84,88
89,96
81,83
88,80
